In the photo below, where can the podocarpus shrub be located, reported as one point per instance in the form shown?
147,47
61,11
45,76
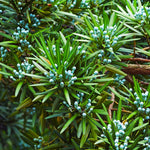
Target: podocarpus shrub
67,74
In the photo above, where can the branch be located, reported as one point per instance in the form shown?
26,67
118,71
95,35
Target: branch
111,105
137,69
136,59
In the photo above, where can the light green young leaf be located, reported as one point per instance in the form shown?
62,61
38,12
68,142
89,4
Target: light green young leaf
18,88
67,96
115,70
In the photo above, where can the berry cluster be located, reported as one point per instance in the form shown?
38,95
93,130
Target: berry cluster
3,52
66,79
79,50
20,33
39,141
54,49
95,33
139,103
21,36
83,4
23,145
119,79
109,39
147,139
83,109
24,67
47,1
141,14
119,134
31,110
23,24
35,22
94,74
69,76
105,60
107,34
25,43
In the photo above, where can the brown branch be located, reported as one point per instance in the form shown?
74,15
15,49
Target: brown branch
146,48
136,59
135,69
111,105
123,110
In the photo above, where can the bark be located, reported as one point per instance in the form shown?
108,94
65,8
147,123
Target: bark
135,69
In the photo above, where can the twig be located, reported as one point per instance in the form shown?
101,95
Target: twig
137,69
146,48
111,105
123,110
136,59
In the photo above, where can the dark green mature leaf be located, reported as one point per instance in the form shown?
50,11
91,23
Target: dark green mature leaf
130,127
27,102
100,111
119,110
85,136
75,144
68,123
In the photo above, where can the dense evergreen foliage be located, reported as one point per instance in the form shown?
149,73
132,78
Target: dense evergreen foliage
74,75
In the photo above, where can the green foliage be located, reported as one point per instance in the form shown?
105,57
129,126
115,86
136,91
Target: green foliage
74,74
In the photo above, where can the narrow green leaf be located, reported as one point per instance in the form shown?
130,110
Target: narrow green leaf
115,70
112,19
54,146
38,97
5,73
75,144
40,67
140,127
132,114
63,38
34,76
6,66
28,16
89,77
103,80
79,130
100,111
88,23
6,35
85,136
47,96
110,139
119,110
130,127
68,123
27,102
116,93
93,18
101,120
18,88
67,96
135,142
84,36
108,118
84,125
54,115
